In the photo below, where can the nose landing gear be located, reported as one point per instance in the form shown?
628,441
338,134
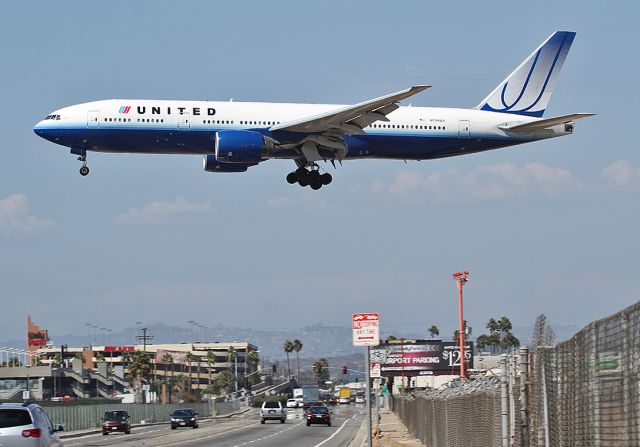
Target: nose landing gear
84,170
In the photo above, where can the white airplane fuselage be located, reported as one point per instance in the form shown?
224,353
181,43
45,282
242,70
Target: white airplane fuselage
189,127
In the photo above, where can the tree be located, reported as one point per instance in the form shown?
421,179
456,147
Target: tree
57,359
297,346
167,359
252,363
288,348
500,337
321,369
15,361
223,381
139,367
433,330
232,355
188,358
456,336
211,359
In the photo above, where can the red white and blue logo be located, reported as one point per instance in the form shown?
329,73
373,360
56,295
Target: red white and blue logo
124,109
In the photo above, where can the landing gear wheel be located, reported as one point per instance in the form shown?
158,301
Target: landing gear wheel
326,178
292,178
314,180
84,171
304,179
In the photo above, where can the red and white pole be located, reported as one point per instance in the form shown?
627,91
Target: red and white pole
461,278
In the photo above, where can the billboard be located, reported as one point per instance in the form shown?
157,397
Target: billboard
36,337
420,358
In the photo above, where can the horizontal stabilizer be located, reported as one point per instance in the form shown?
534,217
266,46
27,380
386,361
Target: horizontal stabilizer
545,123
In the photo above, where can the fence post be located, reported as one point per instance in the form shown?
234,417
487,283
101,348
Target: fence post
524,397
545,402
513,368
504,401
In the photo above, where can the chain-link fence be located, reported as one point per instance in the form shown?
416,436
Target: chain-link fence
462,415
82,417
584,392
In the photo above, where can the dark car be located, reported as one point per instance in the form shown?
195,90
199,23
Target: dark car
318,415
116,420
184,417
311,403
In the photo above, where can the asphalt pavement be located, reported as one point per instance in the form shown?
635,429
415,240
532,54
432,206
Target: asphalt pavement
239,431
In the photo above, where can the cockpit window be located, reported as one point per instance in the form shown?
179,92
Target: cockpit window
53,117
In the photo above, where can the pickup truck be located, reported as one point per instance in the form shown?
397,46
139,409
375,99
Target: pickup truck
273,410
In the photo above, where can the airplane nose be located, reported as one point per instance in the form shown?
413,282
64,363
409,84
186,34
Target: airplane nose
39,128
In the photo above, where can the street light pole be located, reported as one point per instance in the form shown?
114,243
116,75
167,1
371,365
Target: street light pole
461,278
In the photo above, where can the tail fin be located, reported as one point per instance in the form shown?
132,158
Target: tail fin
528,89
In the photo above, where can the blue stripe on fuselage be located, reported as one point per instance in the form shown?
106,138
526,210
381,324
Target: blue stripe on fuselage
198,140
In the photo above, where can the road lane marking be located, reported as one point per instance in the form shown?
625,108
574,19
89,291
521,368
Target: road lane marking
270,436
336,432
213,435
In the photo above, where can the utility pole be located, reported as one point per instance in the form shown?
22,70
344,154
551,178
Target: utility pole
144,338
461,278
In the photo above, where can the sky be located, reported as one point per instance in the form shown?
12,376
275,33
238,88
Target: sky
548,227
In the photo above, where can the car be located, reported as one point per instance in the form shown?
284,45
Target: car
272,410
318,415
116,420
184,417
311,403
292,403
360,399
27,425
300,401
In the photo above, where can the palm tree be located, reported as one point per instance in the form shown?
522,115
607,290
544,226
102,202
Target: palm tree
167,359
433,330
211,359
252,362
288,348
232,355
297,346
188,358
139,367
321,369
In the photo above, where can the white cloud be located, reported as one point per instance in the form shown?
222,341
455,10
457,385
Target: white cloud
15,217
159,212
621,174
489,182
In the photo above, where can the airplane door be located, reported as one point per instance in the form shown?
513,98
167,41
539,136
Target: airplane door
93,119
184,121
464,130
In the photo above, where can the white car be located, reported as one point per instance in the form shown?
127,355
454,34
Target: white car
273,410
27,426
359,399
300,402
292,403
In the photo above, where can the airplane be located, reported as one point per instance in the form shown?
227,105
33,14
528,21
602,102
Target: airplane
234,136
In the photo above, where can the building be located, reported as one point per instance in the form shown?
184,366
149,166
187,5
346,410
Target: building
101,371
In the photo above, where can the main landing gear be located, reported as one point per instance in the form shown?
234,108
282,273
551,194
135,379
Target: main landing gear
306,177
84,170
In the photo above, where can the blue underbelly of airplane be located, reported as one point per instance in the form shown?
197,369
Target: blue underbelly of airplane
409,145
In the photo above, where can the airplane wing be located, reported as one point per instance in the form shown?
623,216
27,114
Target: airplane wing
350,120
545,123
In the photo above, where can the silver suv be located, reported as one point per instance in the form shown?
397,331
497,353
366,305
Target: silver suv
27,425
272,410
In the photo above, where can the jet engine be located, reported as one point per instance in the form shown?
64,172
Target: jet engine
241,146
212,165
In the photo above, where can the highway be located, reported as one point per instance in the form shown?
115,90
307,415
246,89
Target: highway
244,430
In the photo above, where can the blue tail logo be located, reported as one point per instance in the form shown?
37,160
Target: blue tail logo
528,89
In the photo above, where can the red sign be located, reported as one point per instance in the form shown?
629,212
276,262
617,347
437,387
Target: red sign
366,329
119,349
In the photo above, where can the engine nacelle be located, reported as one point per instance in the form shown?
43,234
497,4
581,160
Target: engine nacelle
212,165
241,146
